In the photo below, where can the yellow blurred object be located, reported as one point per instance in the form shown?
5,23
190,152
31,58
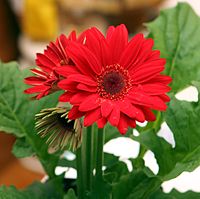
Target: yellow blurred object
40,19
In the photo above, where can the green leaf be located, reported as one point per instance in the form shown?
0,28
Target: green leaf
17,112
197,85
112,133
176,34
135,185
35,191
183,119
22,148
70,195
101,190
174,194
161,148
115,172
110,159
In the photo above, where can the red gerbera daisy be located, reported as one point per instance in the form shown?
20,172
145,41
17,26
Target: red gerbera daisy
114,80
55,56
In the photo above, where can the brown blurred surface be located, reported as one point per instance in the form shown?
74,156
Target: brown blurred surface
12,172
8,32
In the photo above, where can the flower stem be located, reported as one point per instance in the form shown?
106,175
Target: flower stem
79,173
89,157
85,164
99,155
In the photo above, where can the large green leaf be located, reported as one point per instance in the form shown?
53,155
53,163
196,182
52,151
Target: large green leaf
176,34
183,119
135,185
17,112
35,191
161,149
22,148
114,172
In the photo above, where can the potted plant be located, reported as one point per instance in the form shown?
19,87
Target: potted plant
106,84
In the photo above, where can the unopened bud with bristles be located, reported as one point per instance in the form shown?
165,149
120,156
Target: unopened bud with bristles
54,124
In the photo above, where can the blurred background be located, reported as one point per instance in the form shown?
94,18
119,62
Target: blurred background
26,27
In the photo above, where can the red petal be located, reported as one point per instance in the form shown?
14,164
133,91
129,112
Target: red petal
62,43
155,89
78,98
110,31
145,51
147,71
53,55
80,79
66,85
155,54
39,73
93,42
65,71
34,81
82,37
92,117
36,89
153,102
165,98
130,53
106,108
122,125
65,97
74,113
149,116
89,103
87,88
127,108
44,62
56,49
101,122
72,36
131,122
114,116
131,111
117,41
85,60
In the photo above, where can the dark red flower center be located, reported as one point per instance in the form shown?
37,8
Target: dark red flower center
114,82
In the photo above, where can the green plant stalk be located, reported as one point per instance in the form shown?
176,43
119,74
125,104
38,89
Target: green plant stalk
84,163
89,157
79,173
151,125
99,155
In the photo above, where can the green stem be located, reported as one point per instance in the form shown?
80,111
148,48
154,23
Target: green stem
155,126
84,164
89,157
99,155
142,151
158,122
79,174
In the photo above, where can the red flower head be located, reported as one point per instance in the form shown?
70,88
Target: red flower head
114,79
55,56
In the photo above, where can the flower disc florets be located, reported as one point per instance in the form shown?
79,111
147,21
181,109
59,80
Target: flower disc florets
114,82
